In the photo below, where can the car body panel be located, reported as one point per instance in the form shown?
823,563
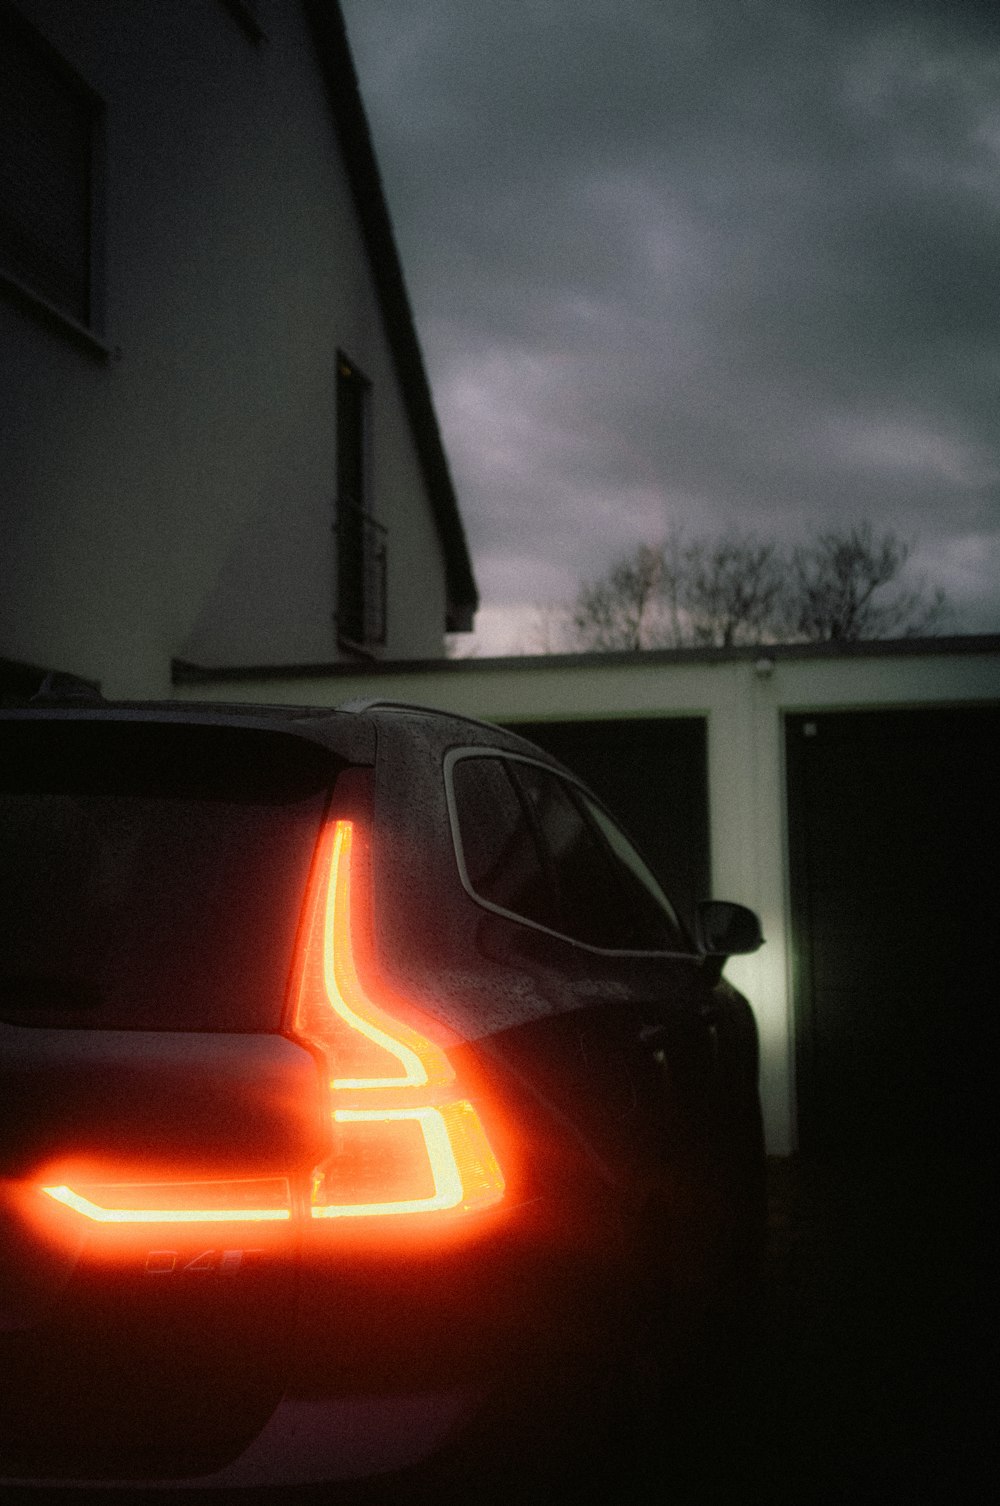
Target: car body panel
146,1103
616,1087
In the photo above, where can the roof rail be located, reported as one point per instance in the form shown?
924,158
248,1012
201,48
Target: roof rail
364,703
379,703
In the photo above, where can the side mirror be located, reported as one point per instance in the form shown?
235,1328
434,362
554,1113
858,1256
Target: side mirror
725,930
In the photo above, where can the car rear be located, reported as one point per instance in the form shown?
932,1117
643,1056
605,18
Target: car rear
153,1112
314,1171
265,1219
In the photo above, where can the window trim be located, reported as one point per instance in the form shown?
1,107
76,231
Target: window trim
90,333
456,755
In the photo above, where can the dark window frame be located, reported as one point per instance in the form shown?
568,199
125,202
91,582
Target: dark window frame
80,312
361,566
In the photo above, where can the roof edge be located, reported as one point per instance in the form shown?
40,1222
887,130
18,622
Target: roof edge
183,672
344,95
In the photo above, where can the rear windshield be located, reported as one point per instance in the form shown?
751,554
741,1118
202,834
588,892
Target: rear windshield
151,874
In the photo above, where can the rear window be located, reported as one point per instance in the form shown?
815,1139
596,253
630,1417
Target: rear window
151,874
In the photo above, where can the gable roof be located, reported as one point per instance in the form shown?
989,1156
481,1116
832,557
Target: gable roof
344,95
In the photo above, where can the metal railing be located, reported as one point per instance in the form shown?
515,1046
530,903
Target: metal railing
361,576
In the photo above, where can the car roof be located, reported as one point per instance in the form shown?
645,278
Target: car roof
349,729
452,727
345,735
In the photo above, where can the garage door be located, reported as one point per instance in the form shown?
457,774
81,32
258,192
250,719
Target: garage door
653,775
893,847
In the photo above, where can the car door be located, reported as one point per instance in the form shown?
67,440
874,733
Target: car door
632,1042
667,1019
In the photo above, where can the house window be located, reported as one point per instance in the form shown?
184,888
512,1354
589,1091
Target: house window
50,136
360,539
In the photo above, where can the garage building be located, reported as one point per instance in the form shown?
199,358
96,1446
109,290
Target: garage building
847,792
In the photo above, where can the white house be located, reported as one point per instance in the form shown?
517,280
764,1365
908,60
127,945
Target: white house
217,438
847,792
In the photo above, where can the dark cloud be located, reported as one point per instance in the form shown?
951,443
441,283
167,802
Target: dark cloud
693,261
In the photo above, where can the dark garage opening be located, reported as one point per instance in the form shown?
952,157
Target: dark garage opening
894,839
653,775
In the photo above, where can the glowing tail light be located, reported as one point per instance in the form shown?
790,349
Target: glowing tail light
178,1202
404,1140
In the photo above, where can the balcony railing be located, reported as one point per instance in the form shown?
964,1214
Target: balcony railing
361,577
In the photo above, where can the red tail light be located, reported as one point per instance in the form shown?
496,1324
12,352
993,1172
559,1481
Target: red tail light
250,1201
405,1140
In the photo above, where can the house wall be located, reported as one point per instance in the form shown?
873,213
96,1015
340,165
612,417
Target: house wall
168,491
745,702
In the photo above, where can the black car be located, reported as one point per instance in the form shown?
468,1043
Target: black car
366,1112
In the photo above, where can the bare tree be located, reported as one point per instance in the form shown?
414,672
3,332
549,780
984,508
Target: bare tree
731,590
735,588
842,589
619,609
717,591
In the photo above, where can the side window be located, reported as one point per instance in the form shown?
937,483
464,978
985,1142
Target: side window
653,916
535,845
502,860
582,871
609,896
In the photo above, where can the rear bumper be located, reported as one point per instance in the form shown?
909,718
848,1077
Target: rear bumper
307,1441
395,1351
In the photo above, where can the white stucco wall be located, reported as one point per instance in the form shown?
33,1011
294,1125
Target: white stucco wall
745,702
175,497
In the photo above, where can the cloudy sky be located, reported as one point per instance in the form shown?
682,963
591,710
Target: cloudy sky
700,263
